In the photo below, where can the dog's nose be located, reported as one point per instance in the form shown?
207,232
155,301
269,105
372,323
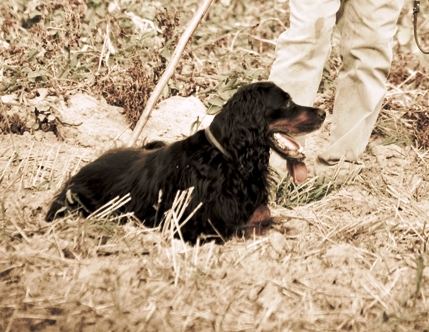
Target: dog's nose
321,114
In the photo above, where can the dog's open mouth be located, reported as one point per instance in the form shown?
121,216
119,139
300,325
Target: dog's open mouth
288,145
293,152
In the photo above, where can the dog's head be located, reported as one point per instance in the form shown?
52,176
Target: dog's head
287,120
262,115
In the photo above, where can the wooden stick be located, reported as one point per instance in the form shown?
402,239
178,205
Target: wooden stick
169,71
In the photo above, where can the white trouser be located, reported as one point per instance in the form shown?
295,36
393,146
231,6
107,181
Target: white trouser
367,29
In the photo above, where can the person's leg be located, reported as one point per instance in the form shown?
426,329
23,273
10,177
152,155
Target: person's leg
301,53
303,49
367,30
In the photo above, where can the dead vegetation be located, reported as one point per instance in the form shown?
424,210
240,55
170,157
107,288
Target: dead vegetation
339,258
352,260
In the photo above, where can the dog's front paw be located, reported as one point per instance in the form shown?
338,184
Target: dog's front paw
259,222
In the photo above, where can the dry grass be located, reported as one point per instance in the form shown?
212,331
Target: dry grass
350,257
353,260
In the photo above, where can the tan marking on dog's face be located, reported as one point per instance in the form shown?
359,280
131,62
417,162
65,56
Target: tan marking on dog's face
303,123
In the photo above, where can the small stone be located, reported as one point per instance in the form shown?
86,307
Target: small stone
278,242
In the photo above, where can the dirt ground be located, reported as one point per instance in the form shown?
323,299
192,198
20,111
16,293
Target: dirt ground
353,260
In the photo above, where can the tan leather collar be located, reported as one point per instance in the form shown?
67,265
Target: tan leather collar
215,142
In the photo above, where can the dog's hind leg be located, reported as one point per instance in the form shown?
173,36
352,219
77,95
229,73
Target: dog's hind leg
58,206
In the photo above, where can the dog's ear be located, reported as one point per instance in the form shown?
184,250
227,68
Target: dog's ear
242,130
241,118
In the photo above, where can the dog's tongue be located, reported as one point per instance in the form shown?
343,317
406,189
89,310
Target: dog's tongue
297,170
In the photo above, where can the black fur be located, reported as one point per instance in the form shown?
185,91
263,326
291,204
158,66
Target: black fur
154,145
230,188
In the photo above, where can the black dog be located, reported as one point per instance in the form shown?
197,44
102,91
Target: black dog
227,164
